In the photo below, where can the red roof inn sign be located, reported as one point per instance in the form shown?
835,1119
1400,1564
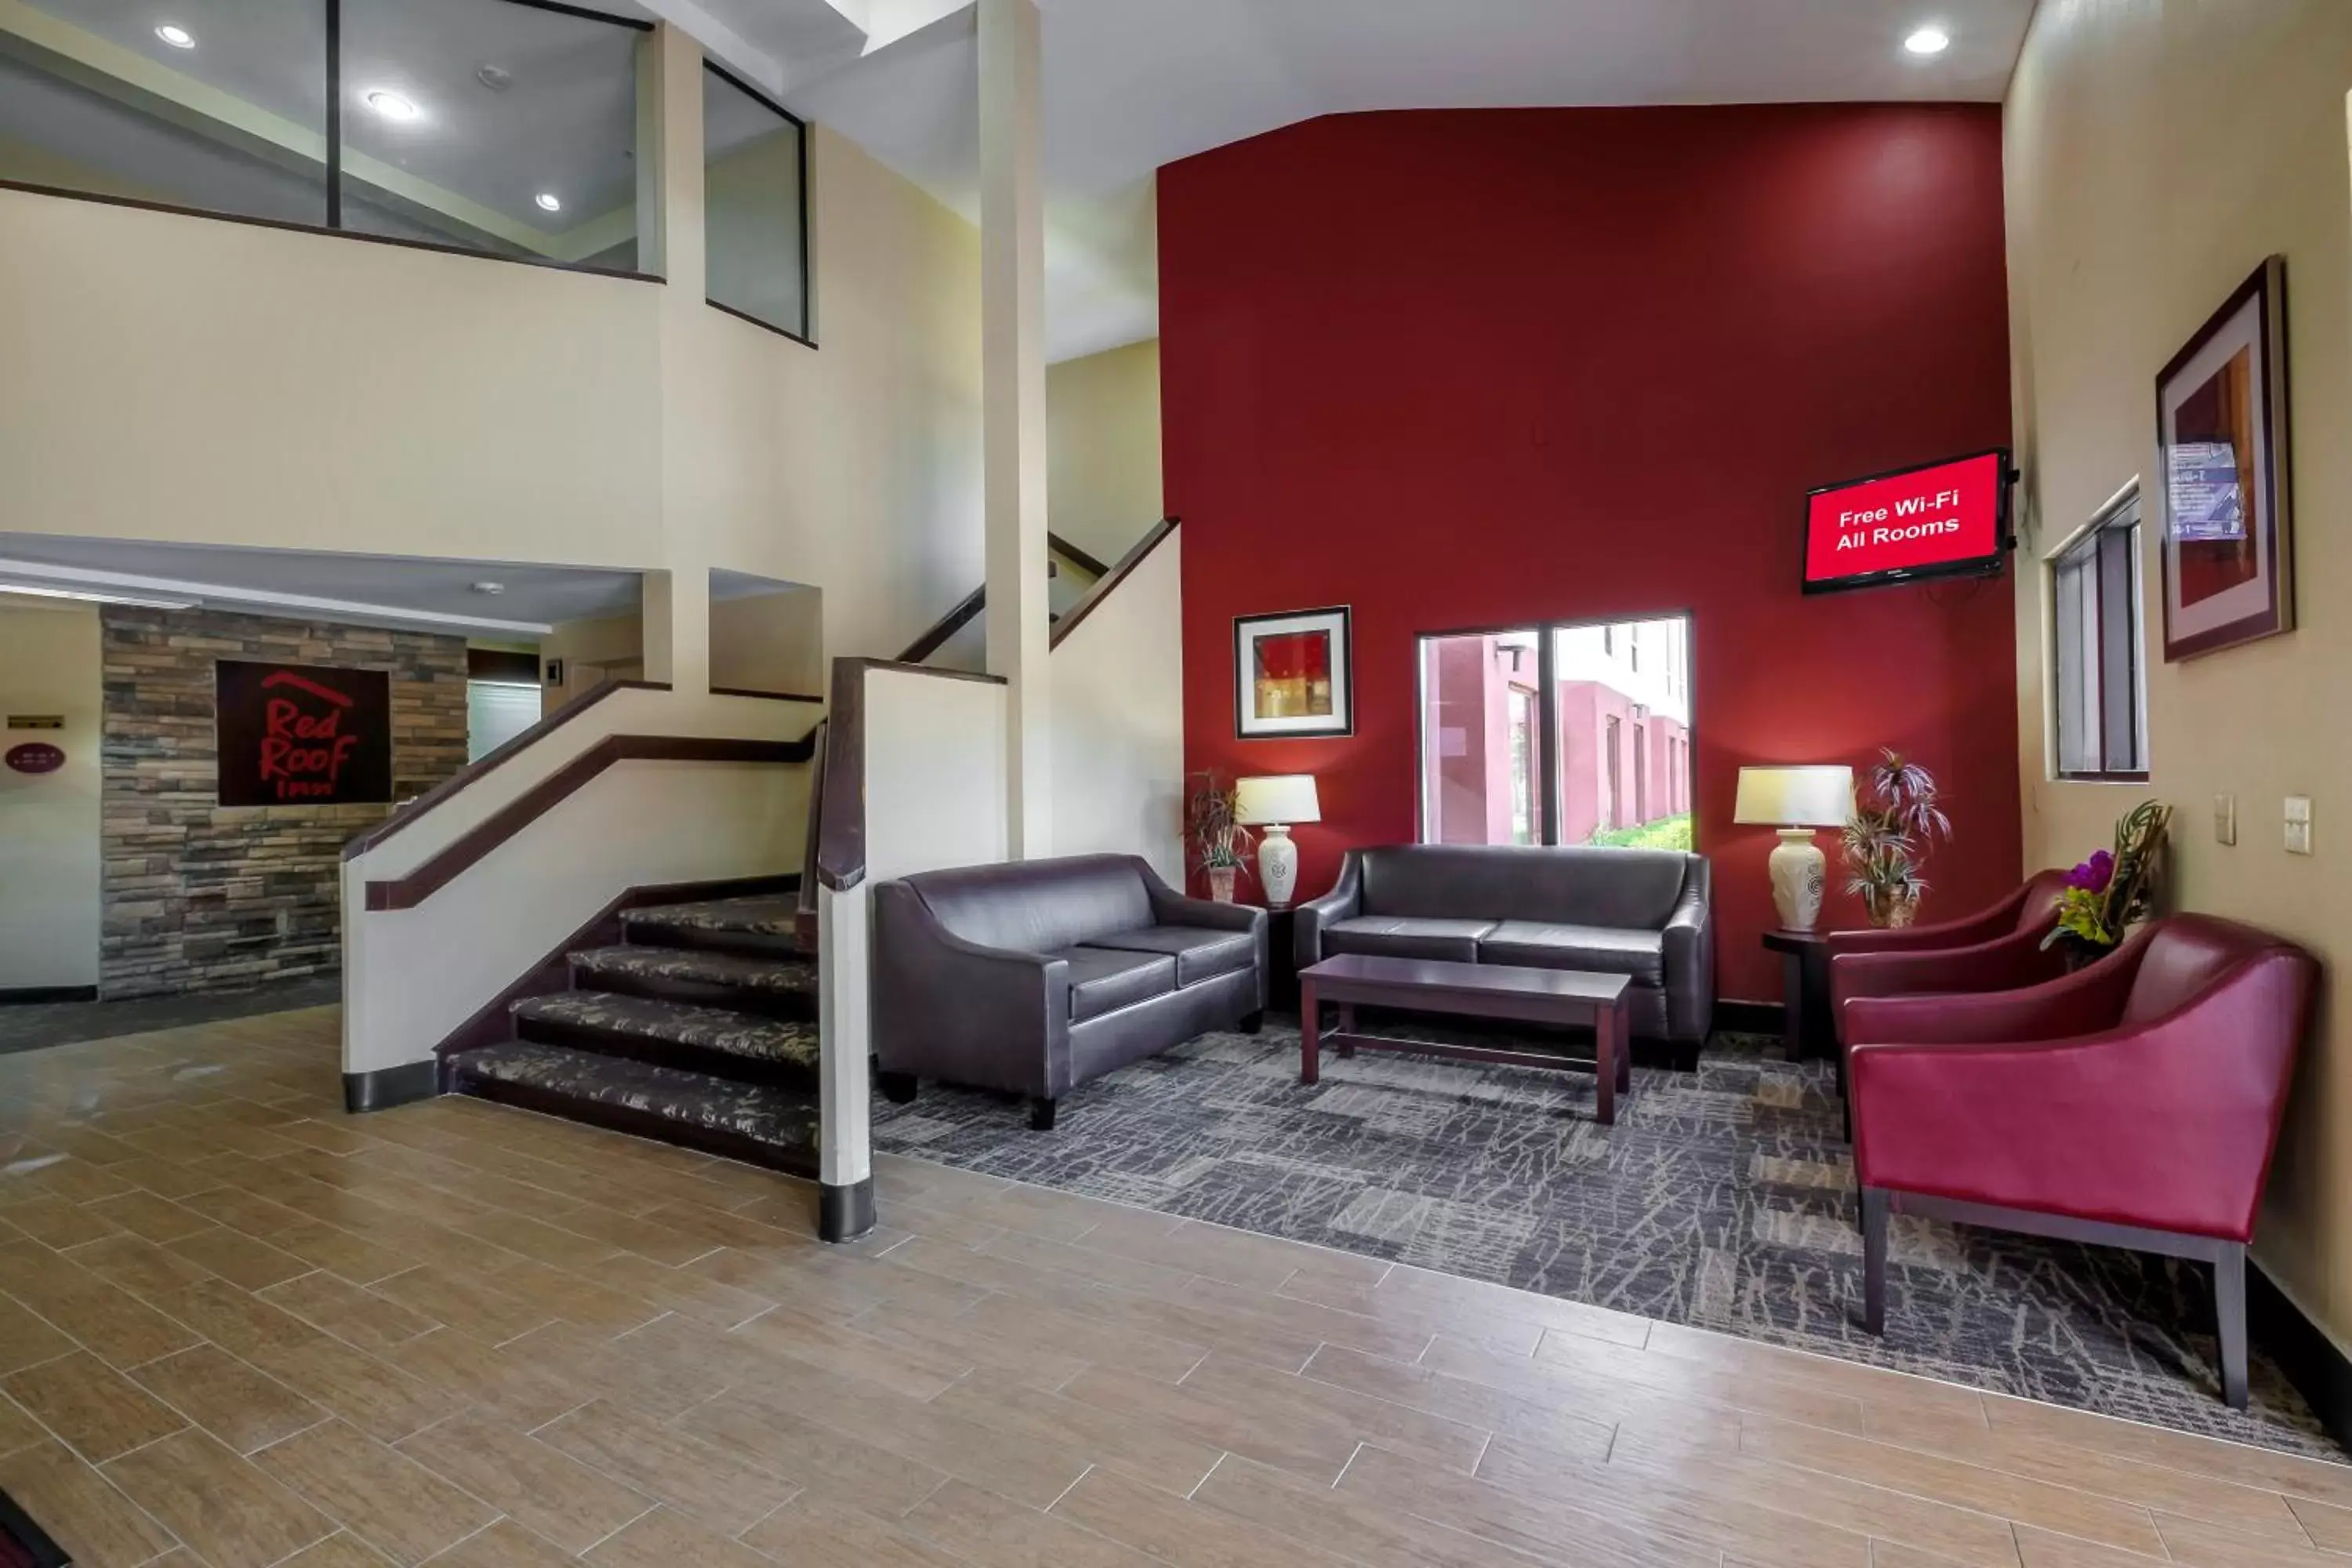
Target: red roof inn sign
303,734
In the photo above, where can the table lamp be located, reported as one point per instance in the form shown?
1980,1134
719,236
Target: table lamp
1274,802
1796,800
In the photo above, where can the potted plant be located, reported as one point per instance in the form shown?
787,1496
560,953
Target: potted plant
2114,888
1219,843
1888,839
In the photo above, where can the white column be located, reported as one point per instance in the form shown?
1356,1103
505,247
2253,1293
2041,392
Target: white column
676,604
844,1155
1013,389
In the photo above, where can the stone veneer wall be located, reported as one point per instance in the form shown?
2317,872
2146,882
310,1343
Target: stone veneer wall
201,896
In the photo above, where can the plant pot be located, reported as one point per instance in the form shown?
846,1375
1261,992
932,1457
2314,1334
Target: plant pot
2081,955
1220,883
1892,912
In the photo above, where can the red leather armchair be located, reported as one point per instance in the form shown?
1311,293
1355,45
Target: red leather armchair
2135,1103
1996,949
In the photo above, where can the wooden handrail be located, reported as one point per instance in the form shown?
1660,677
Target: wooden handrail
946,626
407,891
474,772
1105,584
974,602
840,812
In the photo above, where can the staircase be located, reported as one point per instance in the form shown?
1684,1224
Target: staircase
698,1028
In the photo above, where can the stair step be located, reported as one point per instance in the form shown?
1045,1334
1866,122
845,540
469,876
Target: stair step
761,1125
718,1041
766,924
780,985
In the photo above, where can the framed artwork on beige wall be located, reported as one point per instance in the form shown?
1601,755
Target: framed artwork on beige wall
2227,541
1293,676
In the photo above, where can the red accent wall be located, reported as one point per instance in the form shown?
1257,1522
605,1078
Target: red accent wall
1460,369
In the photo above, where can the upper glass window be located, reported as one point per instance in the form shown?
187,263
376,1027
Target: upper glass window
2098,668
502,126
755,205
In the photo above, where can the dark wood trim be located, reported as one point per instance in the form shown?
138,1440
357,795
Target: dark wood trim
17,1525
764,325
552,973
35,995
334,114
946,626
845,1212
387,1087
474,772
838,832
765,696
1108,582
2304,1353
514,667
2091,777
560,9
408,893
1084,560
175,210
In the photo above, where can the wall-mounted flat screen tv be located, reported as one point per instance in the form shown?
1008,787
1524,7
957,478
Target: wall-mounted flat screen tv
1941,519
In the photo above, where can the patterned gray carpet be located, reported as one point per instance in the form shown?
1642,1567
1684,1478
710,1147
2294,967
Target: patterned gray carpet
1721,1198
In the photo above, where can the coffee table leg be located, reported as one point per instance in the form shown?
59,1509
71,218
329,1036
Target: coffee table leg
1606,1048
1310,1033
1347,1027
1624,1052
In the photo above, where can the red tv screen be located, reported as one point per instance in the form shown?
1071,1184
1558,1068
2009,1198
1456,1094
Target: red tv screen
1941,520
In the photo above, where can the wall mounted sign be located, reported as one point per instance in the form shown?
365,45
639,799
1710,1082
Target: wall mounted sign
1943,520
1293,676
37,721
35,757
303,734
2222,421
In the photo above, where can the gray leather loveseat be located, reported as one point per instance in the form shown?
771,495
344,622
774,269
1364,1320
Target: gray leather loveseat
1035,976
1639,912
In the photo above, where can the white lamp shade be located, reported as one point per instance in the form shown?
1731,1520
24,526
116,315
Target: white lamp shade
1278,798
1795,796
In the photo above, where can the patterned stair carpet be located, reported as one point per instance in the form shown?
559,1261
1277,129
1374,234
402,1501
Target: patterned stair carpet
1722,1199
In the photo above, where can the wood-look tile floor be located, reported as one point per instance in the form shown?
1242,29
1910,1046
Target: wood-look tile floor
238,1327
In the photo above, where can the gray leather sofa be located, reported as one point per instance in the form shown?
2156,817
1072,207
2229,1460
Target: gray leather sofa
1639,912
1035,976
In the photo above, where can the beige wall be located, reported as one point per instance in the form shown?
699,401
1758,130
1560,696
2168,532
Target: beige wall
187,379
48,821
2157,150
770,642
1102,421
1118,721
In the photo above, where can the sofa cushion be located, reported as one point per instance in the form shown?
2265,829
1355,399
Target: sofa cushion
1573,884
1407,936
1102,981
1037,906
1596,950
1200,953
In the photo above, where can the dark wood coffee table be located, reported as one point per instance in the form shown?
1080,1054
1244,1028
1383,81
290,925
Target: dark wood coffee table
1478,990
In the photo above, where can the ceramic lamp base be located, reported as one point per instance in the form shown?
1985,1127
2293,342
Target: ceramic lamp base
1277,866
1800,871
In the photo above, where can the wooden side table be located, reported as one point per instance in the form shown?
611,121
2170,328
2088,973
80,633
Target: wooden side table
1807,1028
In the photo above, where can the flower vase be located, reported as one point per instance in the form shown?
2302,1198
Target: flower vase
1221,884
2082,954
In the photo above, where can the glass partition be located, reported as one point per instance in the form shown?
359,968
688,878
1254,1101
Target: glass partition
755,222
502,126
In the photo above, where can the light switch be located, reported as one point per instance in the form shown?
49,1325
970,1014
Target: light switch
2225,818
2298,824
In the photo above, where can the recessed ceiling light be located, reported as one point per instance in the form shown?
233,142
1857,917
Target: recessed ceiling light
390,105
1928,40
491,588
548,202
179,38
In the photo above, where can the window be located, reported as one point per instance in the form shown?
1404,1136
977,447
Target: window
755,206
504,127
1551,734
2098,663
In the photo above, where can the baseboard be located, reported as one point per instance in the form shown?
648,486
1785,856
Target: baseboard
32,995
2304,1352
1750,1017
845,1214
387,1087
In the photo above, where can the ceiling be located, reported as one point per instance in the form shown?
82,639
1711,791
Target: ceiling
1133,84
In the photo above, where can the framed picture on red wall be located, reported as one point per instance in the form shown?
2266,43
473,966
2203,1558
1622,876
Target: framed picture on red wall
303,734
1293,676
2227,544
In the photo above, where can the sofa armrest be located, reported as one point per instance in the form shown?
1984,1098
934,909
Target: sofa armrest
1344,902
946,1007
2011,962
2087,1002
2169,1124
1689,956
